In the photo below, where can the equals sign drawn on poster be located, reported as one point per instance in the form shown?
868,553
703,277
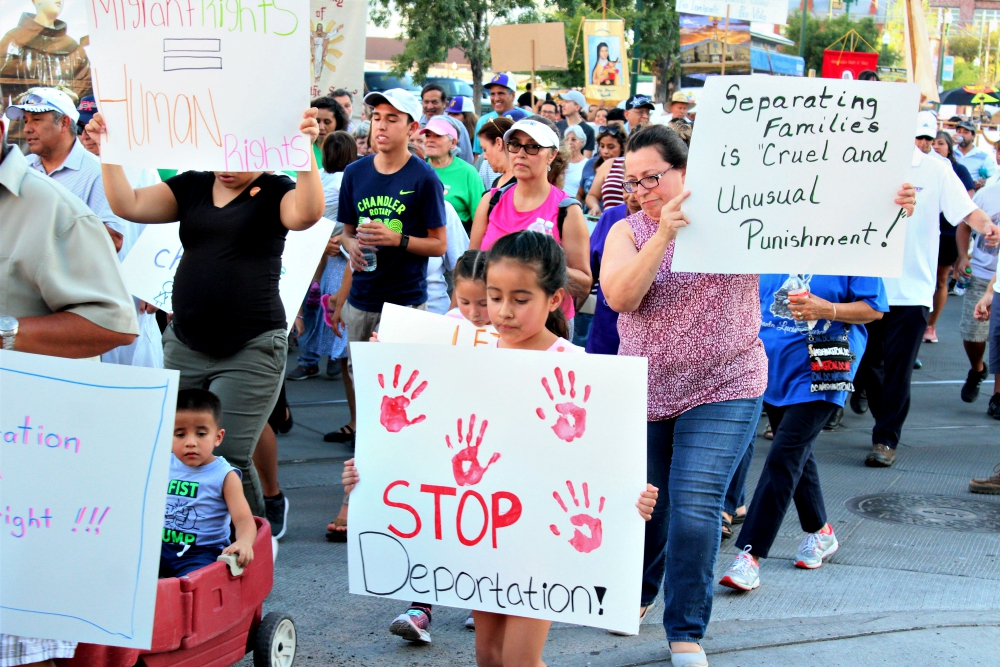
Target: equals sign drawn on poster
187,47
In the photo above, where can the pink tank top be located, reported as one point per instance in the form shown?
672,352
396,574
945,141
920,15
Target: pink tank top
699,332
505,219
611,190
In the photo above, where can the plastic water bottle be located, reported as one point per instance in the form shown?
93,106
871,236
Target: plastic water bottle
368,252
962,282
797,286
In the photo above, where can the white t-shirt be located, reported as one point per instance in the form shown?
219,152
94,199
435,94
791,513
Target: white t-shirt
938,191
571,182
331,192
458,242
984,258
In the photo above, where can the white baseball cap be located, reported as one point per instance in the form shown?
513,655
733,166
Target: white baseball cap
925,128
401,99
538,131
42,100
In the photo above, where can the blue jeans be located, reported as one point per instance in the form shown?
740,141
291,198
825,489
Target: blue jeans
309,353
736,494
691,459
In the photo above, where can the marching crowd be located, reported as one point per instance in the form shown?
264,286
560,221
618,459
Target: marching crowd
554,221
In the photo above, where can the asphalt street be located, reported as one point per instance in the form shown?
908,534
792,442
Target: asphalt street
916,580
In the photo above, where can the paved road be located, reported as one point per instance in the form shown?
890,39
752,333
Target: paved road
922,593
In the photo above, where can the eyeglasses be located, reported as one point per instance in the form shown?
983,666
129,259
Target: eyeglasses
648,182
531,149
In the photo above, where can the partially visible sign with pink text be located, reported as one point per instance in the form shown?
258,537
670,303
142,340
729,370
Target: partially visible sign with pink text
500,480
202,84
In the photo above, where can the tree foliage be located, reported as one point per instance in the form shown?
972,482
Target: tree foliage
821,33
432,27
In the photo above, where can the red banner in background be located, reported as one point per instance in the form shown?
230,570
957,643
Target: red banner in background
847,64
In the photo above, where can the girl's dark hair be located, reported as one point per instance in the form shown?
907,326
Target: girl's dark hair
951,144
558,165
665,140
339,150
543,254
339,114
470,120
494,129
471,266
616,114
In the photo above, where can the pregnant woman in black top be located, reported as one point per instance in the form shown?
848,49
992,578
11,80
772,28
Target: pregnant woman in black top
229,333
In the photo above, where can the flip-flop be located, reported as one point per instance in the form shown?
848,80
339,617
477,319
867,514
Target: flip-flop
727,528
337,535
344,434
739,518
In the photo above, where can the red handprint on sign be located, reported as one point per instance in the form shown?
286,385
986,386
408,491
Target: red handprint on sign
393,412
572,420
581,542
469,455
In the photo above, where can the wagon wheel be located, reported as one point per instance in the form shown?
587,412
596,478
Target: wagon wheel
275,643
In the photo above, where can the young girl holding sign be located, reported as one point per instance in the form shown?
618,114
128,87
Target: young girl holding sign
525,274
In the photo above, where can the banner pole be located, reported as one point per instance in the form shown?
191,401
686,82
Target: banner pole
725,40
532,67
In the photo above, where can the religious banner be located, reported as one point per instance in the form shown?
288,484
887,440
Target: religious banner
337,45
605,61
218,89
149,267
765,11
86,450
797,175
847,64
500,500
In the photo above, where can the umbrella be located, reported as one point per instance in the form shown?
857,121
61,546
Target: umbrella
969,95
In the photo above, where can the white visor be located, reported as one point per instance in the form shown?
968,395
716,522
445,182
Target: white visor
540,132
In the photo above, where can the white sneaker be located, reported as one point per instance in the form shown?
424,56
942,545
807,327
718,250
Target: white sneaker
470,622
743,574
698,659
815,547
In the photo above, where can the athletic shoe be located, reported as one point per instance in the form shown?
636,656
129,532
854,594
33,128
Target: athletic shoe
333,371
930,334
276,512
973,381
835,420
302,373
743,574
412,626
917,365
881,456
990,485
994,409
859,402
816,547
698,659
470,622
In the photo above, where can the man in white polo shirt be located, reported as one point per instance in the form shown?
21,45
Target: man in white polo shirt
893,341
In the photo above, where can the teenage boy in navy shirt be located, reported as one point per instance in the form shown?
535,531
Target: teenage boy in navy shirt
404,200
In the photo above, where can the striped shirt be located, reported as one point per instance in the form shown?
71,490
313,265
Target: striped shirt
80,173
611,191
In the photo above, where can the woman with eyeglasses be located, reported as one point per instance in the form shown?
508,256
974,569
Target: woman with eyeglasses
610,145
707,374
534,202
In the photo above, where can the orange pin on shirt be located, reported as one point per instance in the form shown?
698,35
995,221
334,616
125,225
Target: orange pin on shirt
254,191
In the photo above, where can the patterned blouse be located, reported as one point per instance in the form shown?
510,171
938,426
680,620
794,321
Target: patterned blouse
699,332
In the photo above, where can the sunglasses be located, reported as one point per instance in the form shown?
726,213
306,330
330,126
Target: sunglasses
531,149
612,130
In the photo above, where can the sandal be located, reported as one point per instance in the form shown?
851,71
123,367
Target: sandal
768,433
344,434
727,528
334,535
739,517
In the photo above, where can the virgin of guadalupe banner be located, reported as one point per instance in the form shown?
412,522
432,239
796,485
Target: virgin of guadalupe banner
337,47
605,61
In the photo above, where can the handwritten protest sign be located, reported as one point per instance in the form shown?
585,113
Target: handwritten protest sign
797,175
765,11
202,85
399,324
149,268
85,451
500,500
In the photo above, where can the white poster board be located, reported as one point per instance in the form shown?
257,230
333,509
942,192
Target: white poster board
399,324
337,45
797,175
85,451
214,86
764,11
149,268
529,519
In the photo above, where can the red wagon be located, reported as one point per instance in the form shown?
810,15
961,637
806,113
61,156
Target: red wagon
209,618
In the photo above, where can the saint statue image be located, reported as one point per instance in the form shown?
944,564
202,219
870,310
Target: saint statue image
321,41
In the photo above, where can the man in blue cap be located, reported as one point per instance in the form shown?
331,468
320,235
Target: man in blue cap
503,90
